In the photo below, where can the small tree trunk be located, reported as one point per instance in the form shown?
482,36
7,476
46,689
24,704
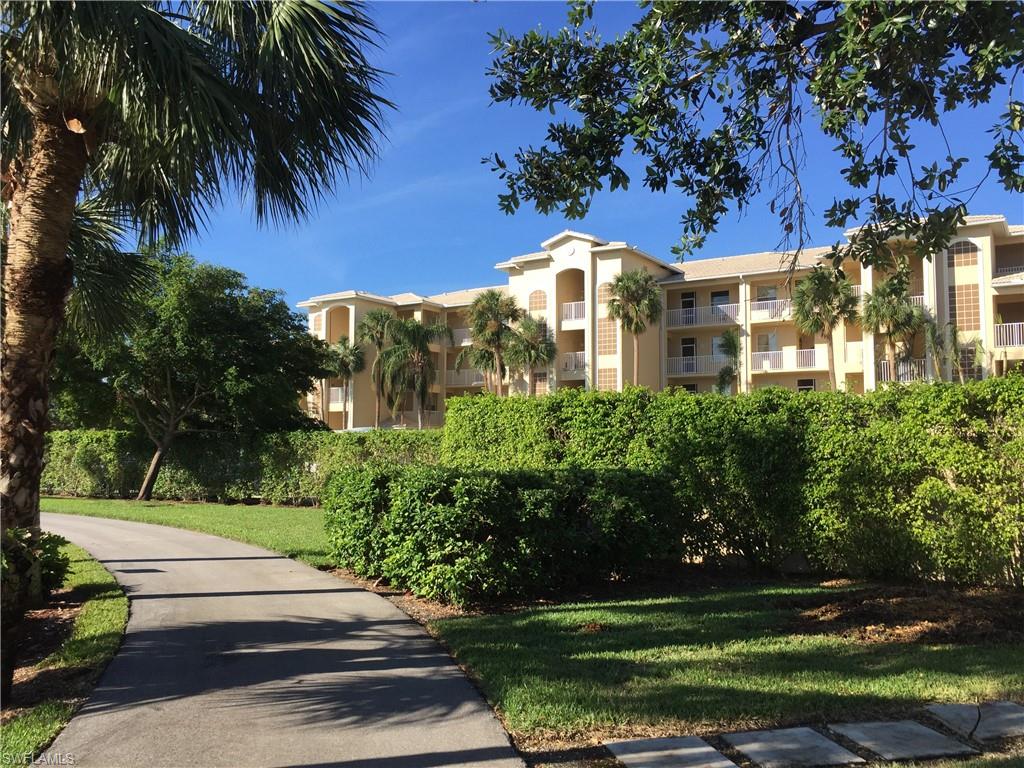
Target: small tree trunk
497,372
533,384
376,406
636,359
831,361
146,491
890,352
36,283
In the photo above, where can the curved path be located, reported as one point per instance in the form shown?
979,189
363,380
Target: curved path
237,656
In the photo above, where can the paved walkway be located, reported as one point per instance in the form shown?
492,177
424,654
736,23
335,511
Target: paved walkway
236,656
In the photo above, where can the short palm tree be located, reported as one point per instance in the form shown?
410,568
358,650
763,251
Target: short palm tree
373,329
943,345
407,365
888,310
159,109
348,361
730,347
491,318
479,358
822,300
635,303
532,347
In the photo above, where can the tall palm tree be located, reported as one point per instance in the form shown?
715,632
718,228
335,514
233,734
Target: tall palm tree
348,361
822,300
490,319
532,347
479,358
159,109
888,310
373,329
407,365
729,346
635,303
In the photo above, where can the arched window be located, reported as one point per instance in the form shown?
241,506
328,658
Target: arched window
962,253
538,301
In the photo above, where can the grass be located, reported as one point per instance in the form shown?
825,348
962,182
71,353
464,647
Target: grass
94,639
706,662
296,532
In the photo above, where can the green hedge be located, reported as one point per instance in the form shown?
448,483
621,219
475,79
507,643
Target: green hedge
279,468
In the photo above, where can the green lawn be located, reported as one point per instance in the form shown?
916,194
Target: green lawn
293,531
705,662
94,639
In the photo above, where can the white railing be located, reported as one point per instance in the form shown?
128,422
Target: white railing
337,398
806,358
1013,269
407,419
855,352
464,378
574,361
716,314
917,299
770,309
858,291
697,366
574,310
908,370
461,337
1010,334
766,361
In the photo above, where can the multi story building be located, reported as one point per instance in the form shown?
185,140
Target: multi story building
977,284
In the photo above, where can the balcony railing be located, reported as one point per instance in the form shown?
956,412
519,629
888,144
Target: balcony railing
698,365
806,358
766,361
574,310
574,362
770,309
1011,269
464,378
908,370
716,314
461,337
1010,335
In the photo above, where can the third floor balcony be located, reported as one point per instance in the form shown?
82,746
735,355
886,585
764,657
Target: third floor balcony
716,314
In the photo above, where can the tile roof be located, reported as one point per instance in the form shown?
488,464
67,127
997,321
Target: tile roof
747,263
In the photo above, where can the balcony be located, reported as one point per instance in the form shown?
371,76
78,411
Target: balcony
464,378
908,370
790,359
461,337
766,361
1011,269
574,311
699,365
766,310
574,365
717,314
1009,335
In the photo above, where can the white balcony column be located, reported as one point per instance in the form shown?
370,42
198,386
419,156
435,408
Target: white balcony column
743,378
868,344
931,306
663,340
590,323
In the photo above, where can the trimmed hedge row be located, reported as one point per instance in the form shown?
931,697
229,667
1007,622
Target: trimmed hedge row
279,468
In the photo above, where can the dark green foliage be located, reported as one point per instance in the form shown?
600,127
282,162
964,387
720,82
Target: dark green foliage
280,468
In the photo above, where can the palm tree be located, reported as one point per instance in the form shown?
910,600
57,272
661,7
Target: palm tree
943,345
373,329
348,361
159,109
479,358
532,347
490,318
407,365
888,310
821,301
729,346
635,302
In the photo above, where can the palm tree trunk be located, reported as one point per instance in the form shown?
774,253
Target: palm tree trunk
36,283
419,409
497,372
636,359
533,384
831,361
376,405
890,353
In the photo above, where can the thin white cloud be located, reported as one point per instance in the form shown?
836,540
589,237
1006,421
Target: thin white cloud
432,185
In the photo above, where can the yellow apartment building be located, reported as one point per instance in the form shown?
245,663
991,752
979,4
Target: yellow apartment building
977,284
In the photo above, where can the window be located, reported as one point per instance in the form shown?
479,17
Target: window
969,363
962,254
318,323
687,300
687,347
767,342
538,301
540,382
604,293
767,293
716,345
805,385
607,341
964,307
607,379
689,388
719,297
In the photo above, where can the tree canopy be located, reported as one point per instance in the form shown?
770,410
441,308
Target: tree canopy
715,98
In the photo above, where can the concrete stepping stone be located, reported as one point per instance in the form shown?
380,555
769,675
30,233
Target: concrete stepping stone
684,752
999,719
901,740
790,746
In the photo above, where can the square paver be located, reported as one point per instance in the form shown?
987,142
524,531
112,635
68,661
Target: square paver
902,739
790,746
684,752
999,719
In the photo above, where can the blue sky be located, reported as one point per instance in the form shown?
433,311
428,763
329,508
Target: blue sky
427,218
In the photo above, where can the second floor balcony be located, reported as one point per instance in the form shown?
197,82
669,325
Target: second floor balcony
790,359
465,378
574,365
912,369
696,365
767,310
716,314
574,310
461,337
1009,335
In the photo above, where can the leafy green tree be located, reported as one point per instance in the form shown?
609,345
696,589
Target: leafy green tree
823,300
635,303
532,347
210,352
730,347
888,310
347,360
715,98
159,109
407,364
491,318
373,329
